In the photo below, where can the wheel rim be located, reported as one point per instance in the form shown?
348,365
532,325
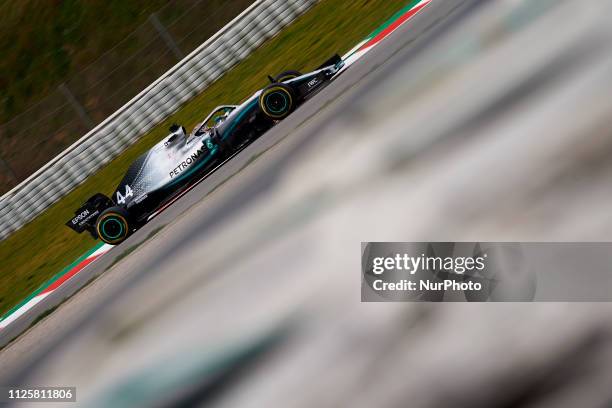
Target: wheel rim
277,102
112,228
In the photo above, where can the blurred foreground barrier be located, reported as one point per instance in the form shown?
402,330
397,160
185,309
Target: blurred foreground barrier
186,79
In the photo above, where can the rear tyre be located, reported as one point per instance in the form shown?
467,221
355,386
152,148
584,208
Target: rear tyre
277,101
287,75
112,225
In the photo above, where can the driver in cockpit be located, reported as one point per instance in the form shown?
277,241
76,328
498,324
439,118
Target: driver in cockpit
205,127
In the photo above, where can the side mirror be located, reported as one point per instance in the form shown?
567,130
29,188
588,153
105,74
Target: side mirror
177,132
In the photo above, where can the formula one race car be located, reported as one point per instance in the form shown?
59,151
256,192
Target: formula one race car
180,160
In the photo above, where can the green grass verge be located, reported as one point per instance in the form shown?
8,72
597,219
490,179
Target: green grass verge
44,246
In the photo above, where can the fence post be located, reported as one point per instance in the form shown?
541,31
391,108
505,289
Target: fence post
9,170
165,35
78,108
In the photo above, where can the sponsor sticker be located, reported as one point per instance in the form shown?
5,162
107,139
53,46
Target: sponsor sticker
185,164
80,217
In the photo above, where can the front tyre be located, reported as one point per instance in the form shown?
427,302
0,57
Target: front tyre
287,75
112,225
277,101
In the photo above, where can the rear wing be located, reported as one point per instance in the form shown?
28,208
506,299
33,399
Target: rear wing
86,216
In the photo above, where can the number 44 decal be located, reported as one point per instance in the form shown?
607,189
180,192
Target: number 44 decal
128,193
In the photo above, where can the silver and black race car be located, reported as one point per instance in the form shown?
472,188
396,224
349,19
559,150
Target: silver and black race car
174,164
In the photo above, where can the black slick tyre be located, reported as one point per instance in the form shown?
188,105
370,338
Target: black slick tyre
287,75
277,101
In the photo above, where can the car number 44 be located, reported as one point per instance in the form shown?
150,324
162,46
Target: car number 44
128,193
